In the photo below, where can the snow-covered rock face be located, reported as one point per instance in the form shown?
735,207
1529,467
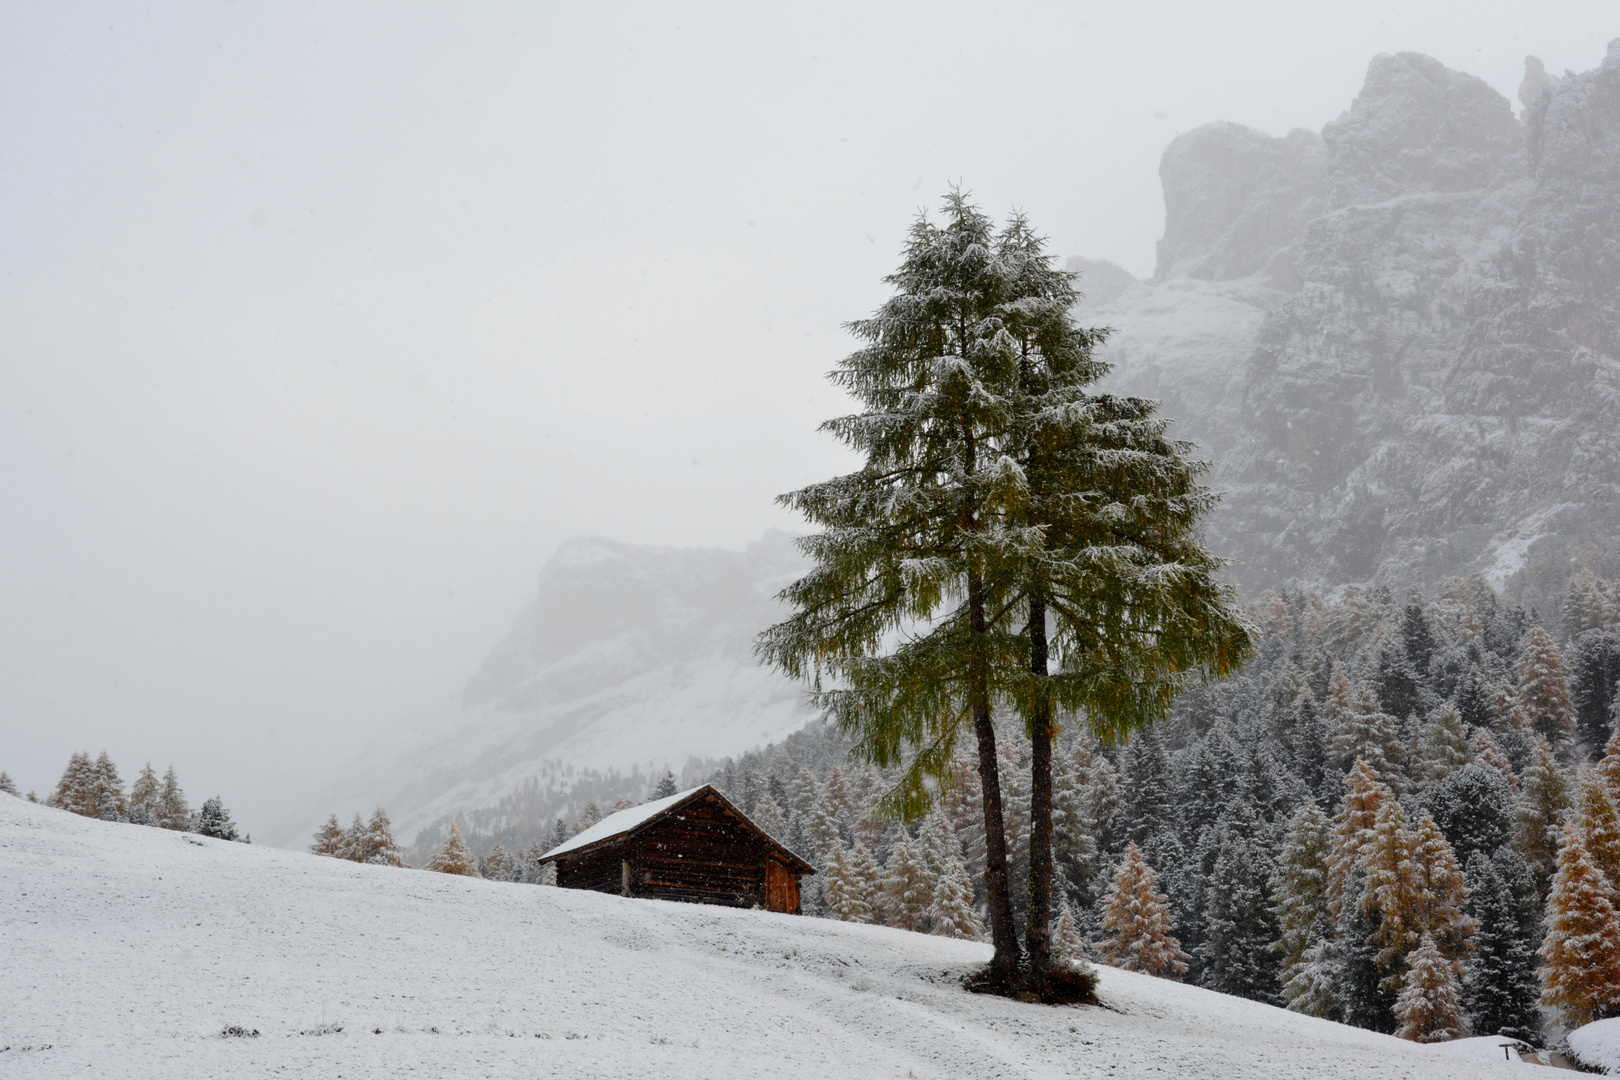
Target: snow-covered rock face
1399,341
628,656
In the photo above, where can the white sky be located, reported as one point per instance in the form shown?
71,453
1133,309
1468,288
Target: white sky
322,324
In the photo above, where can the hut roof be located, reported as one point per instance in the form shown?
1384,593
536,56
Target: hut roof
622,824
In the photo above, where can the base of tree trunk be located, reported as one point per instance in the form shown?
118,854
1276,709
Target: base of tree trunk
1059,984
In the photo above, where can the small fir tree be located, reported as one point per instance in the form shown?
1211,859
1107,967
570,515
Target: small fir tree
1104,806
1580,972
1362,731
107,798
328,839
768,815
173,812
1500,989
144,795
354,840
1428,1008
8,786
665,787
497,865
453,857
214,820
1442,745
75,791
381,848
868,878
1136,917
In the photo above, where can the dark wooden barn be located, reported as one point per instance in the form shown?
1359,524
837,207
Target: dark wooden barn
694,846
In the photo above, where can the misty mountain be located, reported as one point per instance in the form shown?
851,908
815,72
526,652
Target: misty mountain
1398,339
628,657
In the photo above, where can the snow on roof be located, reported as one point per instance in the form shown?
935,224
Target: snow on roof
621,822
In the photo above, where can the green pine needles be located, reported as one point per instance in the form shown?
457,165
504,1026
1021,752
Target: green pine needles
1012,540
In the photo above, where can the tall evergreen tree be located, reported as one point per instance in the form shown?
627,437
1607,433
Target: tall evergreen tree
75,791
380,848
144,795
1363,991
1352,827
1362,730
1544,799
1442,745
1299,890
866,878
1137,919
173,811
1393,894
1580,973
1544,688
1239,927
911,539
107,791
951,913
1444,893
907,887
1500,989
1594,669
1474,808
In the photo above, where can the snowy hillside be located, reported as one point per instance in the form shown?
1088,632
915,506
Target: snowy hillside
628,656
130,951
1398,338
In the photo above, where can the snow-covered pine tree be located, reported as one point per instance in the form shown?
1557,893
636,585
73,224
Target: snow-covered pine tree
497,865
951,914
1442,745
1474,808
75,791
1393,894
108,803
842,893
867,877
1137,919
144,807
665,787
214,820
1486,752
1067,945
529,869
453,857
1364,731
1239,927
907,889
1443,894
9,786
354,840
1580,973
1360,989
1544,799
1299,893
1594,669
381,848
1073,848
1599,825
173,812
768,815
329,839
905,537
1500,989
1352,825
1428,1008
1105,806
1544,688
1608,766
1583,604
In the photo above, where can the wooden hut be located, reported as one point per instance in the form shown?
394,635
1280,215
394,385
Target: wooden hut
694,846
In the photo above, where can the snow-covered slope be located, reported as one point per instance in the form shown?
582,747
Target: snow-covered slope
628,656
129,951
1398,339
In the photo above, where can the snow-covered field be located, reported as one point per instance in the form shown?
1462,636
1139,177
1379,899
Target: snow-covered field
128,951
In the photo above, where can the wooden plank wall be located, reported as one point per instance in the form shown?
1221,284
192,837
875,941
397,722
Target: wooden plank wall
700,853
600,869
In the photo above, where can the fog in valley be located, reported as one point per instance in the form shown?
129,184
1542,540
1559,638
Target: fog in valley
322,329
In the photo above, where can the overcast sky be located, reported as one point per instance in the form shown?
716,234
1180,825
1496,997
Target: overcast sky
322,324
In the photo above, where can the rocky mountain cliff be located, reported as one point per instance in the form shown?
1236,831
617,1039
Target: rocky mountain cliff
1399,339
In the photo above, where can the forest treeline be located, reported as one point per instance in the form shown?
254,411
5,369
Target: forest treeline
1400,814
94,789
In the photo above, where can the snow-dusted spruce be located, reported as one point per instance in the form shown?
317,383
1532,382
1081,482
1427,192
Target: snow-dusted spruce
1428,1007
1500,989
995,492
1299,891
454,858
8,786
1581,970
1136,918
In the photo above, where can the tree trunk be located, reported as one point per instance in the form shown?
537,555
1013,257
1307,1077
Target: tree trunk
1037,932
1003,930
